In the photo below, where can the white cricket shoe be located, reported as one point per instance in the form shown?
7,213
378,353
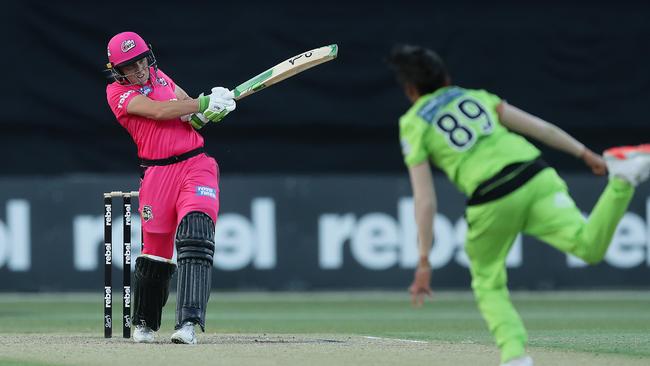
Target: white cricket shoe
143,334
185,335
519,361
630,163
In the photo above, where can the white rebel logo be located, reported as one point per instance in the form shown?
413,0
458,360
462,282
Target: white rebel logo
127,296
240,241
108,254
378,241
108,220
107,296
127,247
127,215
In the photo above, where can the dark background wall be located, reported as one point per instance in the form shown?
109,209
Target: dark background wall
318,153
583,67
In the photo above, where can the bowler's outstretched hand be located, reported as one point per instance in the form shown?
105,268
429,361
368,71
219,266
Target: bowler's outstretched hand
421,285
595,162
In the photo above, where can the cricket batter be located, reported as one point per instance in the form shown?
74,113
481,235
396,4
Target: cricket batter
179,191
473,136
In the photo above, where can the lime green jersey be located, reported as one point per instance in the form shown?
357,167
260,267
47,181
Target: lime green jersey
459,131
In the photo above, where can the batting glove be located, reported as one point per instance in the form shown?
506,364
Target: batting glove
218,104
198,120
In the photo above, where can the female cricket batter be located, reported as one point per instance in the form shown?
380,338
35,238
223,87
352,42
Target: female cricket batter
469,134
179,192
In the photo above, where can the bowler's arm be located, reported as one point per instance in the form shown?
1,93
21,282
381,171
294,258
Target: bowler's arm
526,124
425,208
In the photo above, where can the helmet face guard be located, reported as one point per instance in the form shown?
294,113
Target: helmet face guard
116,73
124,49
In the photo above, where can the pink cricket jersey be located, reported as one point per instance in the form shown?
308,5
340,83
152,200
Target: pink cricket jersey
154,139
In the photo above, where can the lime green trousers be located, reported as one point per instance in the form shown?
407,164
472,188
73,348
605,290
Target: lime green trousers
541,208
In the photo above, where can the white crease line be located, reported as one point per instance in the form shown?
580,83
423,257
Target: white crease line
394,339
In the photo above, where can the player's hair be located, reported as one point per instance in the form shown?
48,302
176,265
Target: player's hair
418,66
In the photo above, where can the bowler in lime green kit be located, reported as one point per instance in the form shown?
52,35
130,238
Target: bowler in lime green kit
478,141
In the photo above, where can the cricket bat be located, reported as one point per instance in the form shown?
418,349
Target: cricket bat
286,69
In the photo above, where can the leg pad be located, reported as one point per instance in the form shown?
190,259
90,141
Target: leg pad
194,249
151,290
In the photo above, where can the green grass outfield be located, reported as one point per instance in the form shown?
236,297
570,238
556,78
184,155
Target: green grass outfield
356,328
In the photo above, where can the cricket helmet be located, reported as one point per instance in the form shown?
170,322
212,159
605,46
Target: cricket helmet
126,48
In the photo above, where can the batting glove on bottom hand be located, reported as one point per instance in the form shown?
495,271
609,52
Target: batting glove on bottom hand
198,120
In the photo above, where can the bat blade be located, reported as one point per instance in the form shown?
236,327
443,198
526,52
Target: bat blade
286,69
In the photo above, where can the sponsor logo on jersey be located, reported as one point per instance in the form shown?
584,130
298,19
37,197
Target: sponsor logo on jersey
147,213
145,90
162,81
123,97
406,147
206,191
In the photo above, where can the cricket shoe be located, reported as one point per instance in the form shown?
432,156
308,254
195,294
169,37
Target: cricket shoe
185,334
519,361
143,334
630,163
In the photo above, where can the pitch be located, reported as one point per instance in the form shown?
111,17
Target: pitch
367,328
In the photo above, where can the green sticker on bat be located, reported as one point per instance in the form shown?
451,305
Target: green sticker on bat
335,50
254,83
